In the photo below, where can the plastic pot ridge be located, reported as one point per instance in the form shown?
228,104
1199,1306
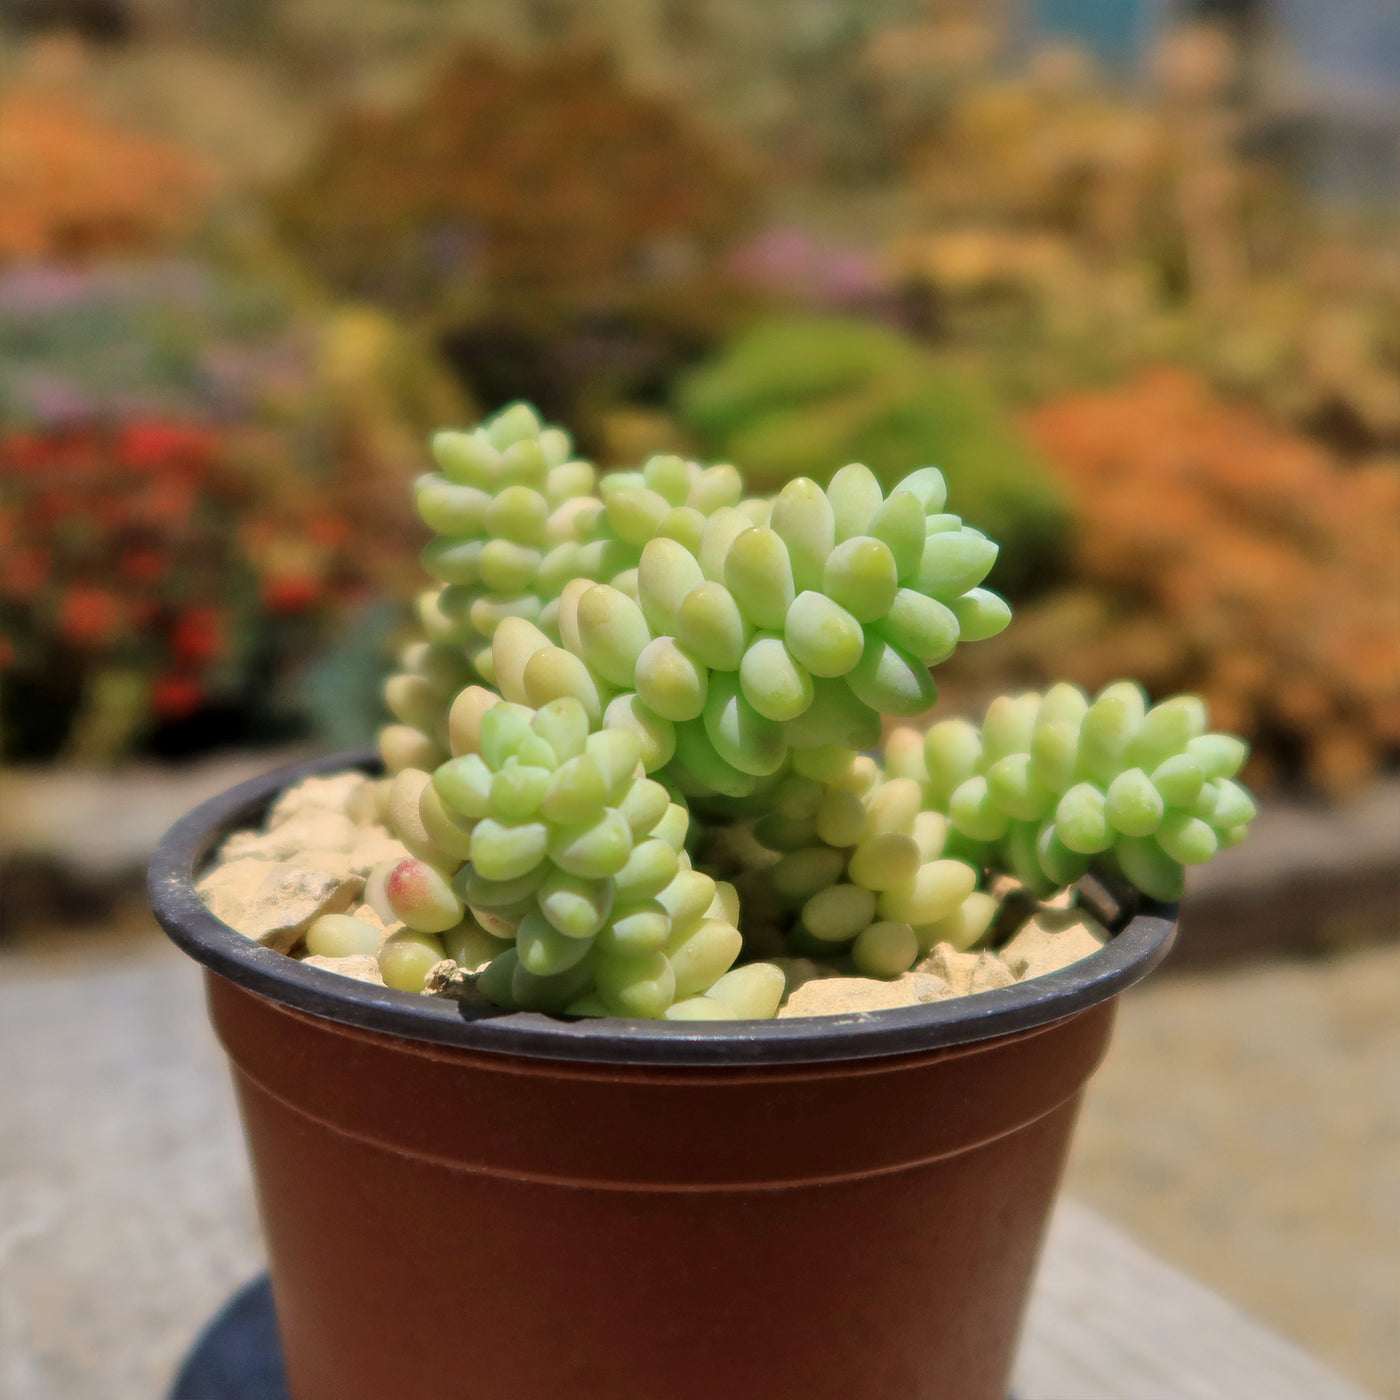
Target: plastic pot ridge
467,1207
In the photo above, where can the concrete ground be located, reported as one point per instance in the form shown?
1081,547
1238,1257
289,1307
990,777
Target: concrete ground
99,1285
1246,1127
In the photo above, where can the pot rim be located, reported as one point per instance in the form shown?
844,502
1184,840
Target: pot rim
1141,940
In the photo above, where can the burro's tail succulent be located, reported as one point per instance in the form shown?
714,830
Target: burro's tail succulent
619,672
1052,783
575,861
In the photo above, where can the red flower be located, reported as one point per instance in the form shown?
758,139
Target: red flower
24,572
167,502
112,513
144,565
56,508
154,445
198,635
290,592
89,617
327,530
25,452
174,696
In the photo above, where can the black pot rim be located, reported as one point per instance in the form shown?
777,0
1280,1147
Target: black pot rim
1142,941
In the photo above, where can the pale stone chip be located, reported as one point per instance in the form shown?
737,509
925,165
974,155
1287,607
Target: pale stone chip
989,974
321,841
273,902
336,863
362,806
227,887
248,845
835,996
1052,940
376,846
320,831
1004,887
311,830
926,986
441,978
333,794
447,979
363,967
953,967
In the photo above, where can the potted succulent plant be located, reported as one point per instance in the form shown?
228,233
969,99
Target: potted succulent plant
570,1126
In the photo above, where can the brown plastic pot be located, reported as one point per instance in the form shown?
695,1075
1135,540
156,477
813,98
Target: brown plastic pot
513,1207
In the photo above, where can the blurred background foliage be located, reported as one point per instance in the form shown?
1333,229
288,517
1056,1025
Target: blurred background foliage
803,395
1129,273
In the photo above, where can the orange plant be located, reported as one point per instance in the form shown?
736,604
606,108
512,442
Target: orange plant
546,180
1244,561
73,188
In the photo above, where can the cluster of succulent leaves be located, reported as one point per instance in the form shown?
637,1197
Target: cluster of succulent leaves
1052,783
635,683
854,867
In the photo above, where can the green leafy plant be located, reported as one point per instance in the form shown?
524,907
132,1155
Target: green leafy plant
633,686
797,395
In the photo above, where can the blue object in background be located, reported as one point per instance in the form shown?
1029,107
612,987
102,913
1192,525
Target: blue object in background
1116,32
1329,75
1349,49
1337,94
